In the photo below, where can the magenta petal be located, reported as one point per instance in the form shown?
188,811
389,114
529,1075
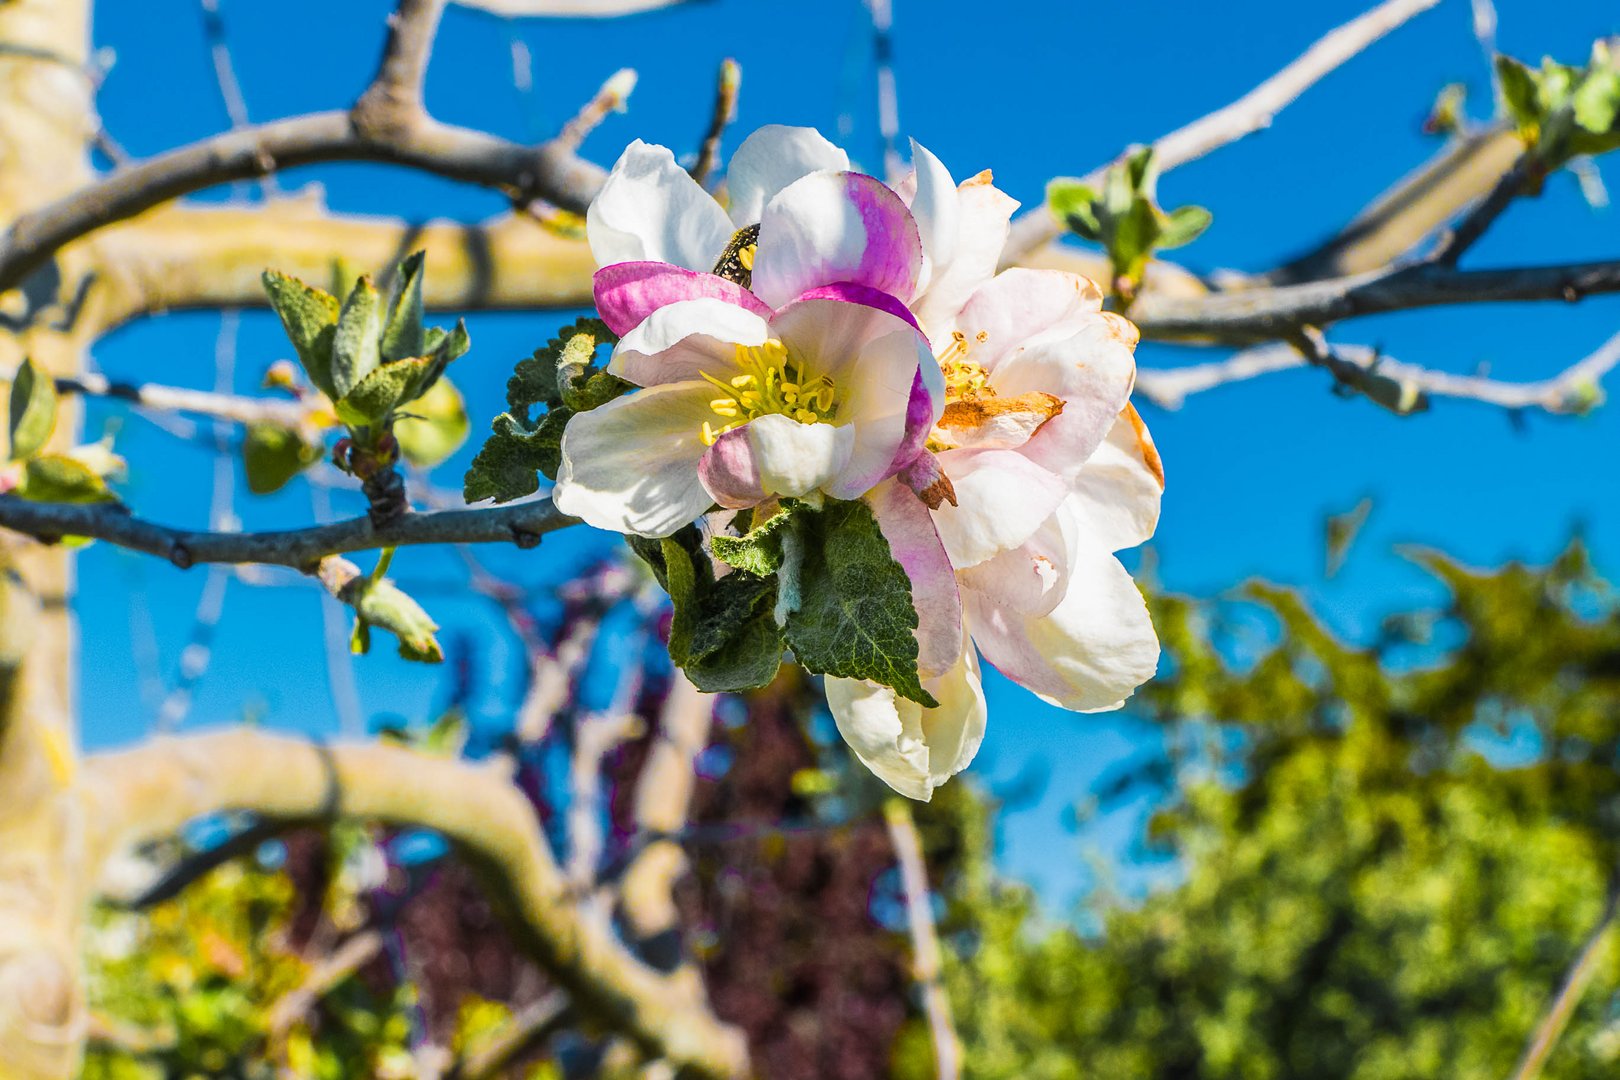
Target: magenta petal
628,292
915,545
919,422
729,472
851,293
836,227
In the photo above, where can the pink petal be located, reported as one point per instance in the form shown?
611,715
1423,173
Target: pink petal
835,227
916,546
626,293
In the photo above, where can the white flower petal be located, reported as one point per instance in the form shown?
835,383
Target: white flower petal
937,210
1115,497
1089,653
769,160
983,216
630,466
794,459
679,341
650,209
1031,578
1002,498
912,749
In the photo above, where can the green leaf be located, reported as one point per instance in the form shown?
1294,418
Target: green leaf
33,410
759,552
723,634
1183,226
509,465
385,387
436,426
442,348
309,316
273,455
579,384
1597,101
379,602
1074,203
855,618
356,351
402,334
57,478
1519,93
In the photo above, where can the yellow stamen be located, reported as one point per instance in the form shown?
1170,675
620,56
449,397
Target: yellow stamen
770,383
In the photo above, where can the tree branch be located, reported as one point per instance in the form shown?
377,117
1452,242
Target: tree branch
521,523
1571,391
192,257
232,407
154,789
387,124
925,951
1252,112
1264,314
727,85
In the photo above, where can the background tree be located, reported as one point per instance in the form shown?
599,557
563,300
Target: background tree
85,252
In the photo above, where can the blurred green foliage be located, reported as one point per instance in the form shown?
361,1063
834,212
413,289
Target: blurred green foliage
1373,862
1387,856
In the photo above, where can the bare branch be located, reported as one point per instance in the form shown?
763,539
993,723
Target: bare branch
1248,315
925,951
183,257
526,173
1513,183
394,97
726,89
611,98
521,523
354,954
154,789
1572,390
1252,112
232,407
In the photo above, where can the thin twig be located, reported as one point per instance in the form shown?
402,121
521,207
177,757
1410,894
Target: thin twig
888,96
1572,390
925,951
1570,991
611,98
232,407
1248,315
1252,112
521,523
355,953
726,88
1513,183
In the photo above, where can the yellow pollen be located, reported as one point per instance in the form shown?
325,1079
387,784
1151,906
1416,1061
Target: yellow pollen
770,383
745,257
965,380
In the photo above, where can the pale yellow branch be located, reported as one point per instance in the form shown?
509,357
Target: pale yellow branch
154,789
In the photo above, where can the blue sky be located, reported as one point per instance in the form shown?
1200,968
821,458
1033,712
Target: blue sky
1030,89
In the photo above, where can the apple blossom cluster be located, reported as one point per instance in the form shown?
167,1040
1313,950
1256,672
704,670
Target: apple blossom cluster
847,436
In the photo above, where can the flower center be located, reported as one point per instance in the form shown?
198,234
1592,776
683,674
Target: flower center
965,380
769,383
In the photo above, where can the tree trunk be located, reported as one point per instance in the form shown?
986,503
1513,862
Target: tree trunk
48,120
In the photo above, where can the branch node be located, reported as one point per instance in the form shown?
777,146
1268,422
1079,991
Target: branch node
180,555
525,539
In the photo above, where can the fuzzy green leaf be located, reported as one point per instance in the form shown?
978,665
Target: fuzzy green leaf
403,334
379,602
57,478
273,455
723,634
435,427
1519,95
509,465
759,552
309,316
1183,226
855,617
33,410
356,349
1597,101
384,388
1074,203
